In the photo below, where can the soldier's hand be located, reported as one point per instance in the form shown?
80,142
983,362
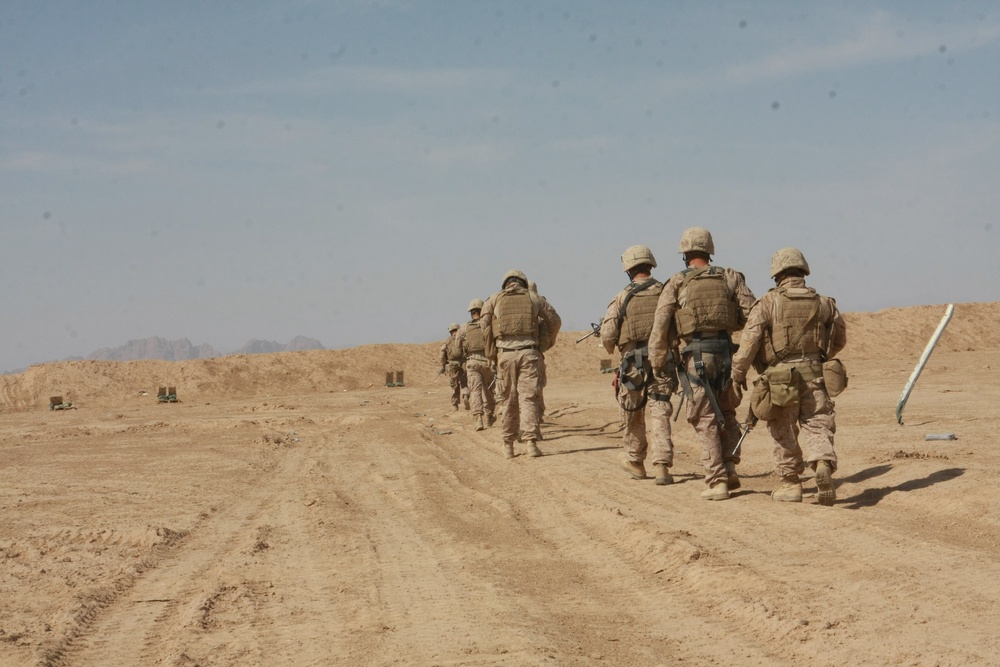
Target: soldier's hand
441,370
734,391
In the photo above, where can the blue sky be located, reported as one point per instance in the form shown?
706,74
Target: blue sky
358,171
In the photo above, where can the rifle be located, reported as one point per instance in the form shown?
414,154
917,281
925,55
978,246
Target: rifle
595,330
750,423
440,372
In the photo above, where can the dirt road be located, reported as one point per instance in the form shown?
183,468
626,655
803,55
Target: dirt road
375,527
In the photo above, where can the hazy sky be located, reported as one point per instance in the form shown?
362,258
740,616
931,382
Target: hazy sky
358,171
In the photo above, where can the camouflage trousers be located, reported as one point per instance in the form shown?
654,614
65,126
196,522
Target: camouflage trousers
458,382
717,444
520,388
637,436
480,375
812,421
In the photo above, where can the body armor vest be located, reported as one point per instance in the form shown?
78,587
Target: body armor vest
515,313
474,341
706,305
798,328
638,312
454,350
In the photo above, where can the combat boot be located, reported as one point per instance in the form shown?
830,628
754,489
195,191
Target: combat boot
718,491
508,450
663,476
491,419
479,423
826,494
533,449
466,403
732,479
634,468
790,490
454,408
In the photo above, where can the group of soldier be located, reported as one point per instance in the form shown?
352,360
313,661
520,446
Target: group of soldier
675,335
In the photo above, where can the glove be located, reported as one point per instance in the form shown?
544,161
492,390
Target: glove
441,370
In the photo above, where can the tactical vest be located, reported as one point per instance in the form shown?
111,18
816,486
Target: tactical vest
637,315
454,350
474,341
706,304
515,313
798,327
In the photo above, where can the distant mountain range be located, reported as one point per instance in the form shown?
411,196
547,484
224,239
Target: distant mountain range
181,350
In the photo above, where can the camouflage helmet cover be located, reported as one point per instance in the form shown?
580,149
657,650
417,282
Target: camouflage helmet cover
697,239
636,255
788,258
454,326
514,274
475,304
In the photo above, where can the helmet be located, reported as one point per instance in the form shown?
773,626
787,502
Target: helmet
453,327
475,304
697,239
788,258
636,255
514,274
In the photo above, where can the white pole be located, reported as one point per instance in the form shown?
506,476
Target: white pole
923,361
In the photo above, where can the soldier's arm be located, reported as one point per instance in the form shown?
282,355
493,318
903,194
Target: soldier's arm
659,337
609,327
486,323
838,332
750,342
744,297
552,320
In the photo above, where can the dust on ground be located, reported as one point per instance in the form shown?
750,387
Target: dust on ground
292,510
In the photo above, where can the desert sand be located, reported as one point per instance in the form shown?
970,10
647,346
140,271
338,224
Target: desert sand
292,510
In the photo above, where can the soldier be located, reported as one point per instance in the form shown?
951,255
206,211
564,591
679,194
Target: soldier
627,325
513,321
452,362
478,370
701,306
794,328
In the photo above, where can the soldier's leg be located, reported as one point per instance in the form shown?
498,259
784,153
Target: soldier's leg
658,423
475,380
489,400
456,388
528,390
702,417
817,424
787,454
464,380
510,426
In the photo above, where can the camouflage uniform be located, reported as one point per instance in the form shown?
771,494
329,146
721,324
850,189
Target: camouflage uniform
628,331
512,322
478,369
452,363
781,333
673,320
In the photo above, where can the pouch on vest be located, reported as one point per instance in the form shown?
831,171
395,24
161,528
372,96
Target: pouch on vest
760,399
784,383
834,376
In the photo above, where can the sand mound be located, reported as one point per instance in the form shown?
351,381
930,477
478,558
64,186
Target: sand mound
890,333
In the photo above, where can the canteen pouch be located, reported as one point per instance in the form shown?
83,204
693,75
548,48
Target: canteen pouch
784,383
834,376
760,399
